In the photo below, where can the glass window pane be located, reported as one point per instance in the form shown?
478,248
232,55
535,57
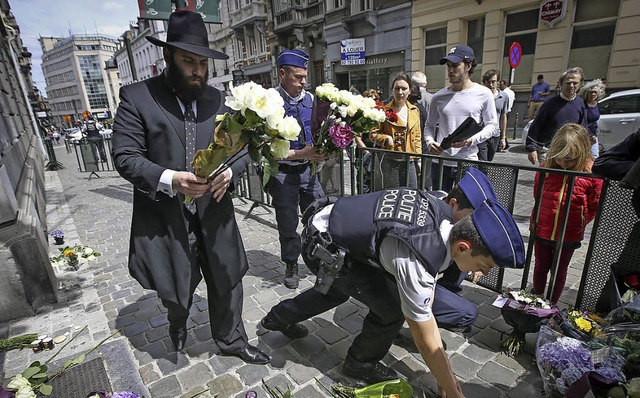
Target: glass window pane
522,21
588,10
593,35
475,37
436,36
433,55
630,104
526,40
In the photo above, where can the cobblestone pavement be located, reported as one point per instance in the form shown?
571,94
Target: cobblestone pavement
101,295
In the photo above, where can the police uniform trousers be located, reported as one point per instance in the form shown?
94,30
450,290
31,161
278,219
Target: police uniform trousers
225,310
374,287
292,188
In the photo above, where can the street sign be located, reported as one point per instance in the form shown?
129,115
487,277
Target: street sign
515,54
161,9
553,11
352,52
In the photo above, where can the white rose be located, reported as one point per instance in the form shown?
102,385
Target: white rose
342,110
91,258
240,97
289,128
274,119
352,109
88,251
279,148
26,392
19,382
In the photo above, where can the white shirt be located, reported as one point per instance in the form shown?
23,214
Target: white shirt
450,108
512,97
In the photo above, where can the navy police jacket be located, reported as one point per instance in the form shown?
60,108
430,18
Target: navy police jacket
360,223
301,111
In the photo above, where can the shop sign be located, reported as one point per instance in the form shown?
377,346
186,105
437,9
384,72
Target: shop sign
352,52
553,11
161,9
376,61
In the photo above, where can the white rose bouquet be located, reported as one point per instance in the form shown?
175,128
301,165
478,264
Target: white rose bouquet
257,121
339,116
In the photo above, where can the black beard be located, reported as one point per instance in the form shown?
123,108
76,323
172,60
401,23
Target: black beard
183,86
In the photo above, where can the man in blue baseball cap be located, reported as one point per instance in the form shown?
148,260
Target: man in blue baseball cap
294,186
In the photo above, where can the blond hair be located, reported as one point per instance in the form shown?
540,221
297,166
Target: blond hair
571,143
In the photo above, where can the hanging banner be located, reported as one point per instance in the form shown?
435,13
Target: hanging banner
553,11
161,9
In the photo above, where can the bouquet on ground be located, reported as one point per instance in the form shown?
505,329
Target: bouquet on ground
70,255
525,312
563,361
339,116
257,121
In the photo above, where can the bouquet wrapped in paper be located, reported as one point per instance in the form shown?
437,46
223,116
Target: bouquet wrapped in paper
257,121
339,116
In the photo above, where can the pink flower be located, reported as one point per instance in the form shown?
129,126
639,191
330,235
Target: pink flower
341,136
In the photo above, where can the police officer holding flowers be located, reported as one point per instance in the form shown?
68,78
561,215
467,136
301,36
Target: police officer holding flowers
411,235
294,186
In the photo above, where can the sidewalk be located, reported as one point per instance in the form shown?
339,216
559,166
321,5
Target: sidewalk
96,212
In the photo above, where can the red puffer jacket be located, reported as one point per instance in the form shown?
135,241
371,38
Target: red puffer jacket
584,203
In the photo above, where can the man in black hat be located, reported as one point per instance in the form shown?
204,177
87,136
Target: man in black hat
159,125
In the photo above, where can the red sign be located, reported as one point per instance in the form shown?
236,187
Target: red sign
553,11
515,54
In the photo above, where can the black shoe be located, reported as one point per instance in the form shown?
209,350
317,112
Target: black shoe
292,330
370,372
291,276
250,354
178,337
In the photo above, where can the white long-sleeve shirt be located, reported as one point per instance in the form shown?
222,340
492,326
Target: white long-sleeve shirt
450,108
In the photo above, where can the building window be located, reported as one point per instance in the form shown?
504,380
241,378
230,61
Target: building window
361,6
475,38
334,4
282,5
521,27
434,49
593,31
91,72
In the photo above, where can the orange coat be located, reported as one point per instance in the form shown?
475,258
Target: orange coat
406,138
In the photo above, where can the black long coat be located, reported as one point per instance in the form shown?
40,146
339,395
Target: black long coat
149,137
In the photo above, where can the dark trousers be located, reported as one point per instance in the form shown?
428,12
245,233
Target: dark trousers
448,177
97,149
373,287
544,258
487,149
225,310
290,189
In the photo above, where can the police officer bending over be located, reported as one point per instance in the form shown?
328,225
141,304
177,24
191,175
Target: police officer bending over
410,235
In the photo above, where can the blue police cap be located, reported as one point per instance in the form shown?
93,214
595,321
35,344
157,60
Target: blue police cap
500,234
295,57
476,187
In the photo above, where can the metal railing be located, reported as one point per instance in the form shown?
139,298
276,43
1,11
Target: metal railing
93,156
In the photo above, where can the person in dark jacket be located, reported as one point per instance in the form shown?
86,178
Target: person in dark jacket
616,162
409,234
174,245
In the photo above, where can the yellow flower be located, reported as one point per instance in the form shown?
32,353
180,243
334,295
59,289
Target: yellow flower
69,253
583,324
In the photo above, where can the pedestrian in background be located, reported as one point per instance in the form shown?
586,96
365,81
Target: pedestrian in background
539,93
487,149
591,93
505,86
401,132
91,129
294,187
567,107
159,125
569,150
450,107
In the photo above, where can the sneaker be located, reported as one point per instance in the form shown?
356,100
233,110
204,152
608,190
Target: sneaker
291,279
292,330
370,372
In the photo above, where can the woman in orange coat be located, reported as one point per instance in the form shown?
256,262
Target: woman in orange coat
400,132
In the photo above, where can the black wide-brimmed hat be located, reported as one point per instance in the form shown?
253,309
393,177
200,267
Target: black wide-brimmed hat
186,31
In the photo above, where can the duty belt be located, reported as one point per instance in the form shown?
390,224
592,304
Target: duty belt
295,168
329,256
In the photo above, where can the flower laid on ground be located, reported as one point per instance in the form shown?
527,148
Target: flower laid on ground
586,322
121,394
35,379
563,360
525,312
70,255
57,234
347,116
397,388
257,120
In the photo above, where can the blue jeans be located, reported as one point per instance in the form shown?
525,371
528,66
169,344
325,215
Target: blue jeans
448,177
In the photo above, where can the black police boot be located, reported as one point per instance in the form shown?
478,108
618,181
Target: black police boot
291,279
292,330
370,372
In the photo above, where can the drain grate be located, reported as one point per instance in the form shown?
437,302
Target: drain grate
80,380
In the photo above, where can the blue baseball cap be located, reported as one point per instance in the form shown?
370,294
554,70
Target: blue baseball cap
500,234
295,57
458,54
476,187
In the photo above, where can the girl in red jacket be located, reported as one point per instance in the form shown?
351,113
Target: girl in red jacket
570,149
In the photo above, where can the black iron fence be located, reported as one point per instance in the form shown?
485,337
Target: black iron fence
614,234
94,155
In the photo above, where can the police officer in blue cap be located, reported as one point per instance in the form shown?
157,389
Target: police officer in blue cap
409,234
294,187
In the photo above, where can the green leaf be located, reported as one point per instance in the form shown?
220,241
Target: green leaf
45,389
31,371
233,125
75,361
40,376
268,172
